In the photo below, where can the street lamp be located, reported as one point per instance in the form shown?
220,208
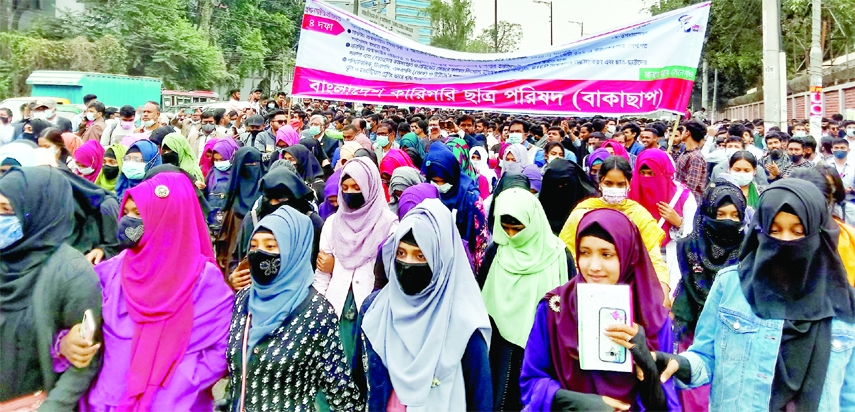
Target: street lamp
550,17
581,27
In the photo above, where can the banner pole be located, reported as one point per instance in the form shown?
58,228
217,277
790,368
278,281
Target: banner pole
673,133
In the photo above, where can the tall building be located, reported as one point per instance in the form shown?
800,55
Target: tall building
412,14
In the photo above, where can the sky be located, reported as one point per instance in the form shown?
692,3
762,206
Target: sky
597,15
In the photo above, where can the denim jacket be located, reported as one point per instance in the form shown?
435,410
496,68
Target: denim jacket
737,351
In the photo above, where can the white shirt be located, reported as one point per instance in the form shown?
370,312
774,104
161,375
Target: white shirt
847,172
6,134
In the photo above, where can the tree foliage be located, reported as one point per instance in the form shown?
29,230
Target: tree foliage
20,55
452,24
734,43
507,38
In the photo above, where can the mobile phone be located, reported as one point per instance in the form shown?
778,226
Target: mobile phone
608,350
87,326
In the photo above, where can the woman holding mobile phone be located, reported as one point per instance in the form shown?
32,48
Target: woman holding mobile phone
166,305
45,287
609,251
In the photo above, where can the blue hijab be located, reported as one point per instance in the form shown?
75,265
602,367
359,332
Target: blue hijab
151,157
271,304
464,193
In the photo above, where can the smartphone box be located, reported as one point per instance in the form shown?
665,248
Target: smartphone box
599,307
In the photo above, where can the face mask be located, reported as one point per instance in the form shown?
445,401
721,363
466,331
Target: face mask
614,195
515,138
796,158
382,141
552,157
724,232
208,128
742,178
222,165
314,130
729,152
126,124
263,266
170,158
267,208
27,136
354,200
612,129
194,122
799,134
86,171
850,132
776,154
130,231
55,150
110,172
840,154
134,170
10,230
90,116
413,277
147,123
443,188
40,114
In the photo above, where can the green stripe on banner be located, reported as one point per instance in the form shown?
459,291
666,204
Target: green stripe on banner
676,72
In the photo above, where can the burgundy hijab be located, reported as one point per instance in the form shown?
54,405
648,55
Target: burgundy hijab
647,310
158,278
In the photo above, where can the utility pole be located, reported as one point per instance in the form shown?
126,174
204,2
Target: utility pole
549,3
581,27
705,86
496,26
714,96
771,64
815,69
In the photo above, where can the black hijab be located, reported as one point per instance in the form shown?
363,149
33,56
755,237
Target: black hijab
246,173
158,134
282,183
307,165
363,152
30,190
314,147
802,282
712,246
508,180
565,184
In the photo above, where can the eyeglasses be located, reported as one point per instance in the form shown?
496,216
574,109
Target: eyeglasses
280,121
130,158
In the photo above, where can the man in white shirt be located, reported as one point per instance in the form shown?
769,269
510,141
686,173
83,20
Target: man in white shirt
844,164
7,131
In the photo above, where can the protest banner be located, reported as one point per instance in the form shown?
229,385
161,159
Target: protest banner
637,69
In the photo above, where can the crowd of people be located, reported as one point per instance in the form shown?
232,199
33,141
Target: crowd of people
325,256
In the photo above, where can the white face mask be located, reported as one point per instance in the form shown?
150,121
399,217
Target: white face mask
614,195
553,157
443,188
39,114
515,138
730,152
612,129
742,178
799,133
147,123
86,171
222,165
90,116
850,132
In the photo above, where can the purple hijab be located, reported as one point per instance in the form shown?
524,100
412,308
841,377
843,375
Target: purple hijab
360,232
226,149
599,154
535,178
331,189
413,195
647,309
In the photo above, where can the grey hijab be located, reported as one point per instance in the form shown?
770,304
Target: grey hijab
423,337
402,178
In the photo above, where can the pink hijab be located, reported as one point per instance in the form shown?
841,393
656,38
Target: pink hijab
91,154
158,282
364,141
288,135
72,142
129,139
617,147
360,232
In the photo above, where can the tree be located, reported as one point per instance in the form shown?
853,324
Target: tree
508,38
452,23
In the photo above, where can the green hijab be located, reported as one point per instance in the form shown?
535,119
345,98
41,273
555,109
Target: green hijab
412,140
526,266
753,195
460,150
110,184
186,158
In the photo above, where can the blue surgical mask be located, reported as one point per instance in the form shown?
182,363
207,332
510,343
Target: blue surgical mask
841,154
314,130
222,165
134,170
382,141
10,230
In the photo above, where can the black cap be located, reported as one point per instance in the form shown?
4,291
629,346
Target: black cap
255,120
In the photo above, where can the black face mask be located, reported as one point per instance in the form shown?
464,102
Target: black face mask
28,136
263,266
724,232
413,277
247,171
254,133
796,158
110,172
354,200
267,208
170,158
130,231
776,154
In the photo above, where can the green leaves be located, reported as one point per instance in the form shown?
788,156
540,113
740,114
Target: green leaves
452,24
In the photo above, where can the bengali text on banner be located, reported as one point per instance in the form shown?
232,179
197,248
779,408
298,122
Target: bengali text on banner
641,68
